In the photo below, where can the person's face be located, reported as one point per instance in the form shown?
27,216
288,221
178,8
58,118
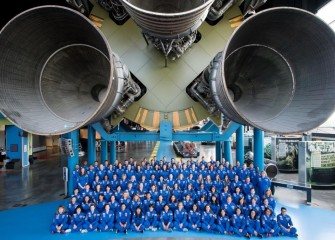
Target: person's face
238,211
123,207
92,208
138,211
180,206
78,210
223,213
188,197
252,214
166,208
107,207
283,212
112,198
160,198
60,210
268,212
208,208
73,200
173,198
228,199
86,199
194,207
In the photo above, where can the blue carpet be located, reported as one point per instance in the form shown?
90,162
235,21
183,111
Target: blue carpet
32,223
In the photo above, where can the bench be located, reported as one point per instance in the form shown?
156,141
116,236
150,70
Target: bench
293,185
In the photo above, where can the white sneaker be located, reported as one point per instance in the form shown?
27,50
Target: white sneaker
68,230
154,229
185,230
83,231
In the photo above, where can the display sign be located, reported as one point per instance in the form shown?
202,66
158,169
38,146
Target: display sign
320,162
286,153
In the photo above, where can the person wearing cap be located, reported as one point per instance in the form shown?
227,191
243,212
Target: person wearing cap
285,224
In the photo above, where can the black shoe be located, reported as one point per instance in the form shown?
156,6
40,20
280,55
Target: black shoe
260,235
295,235
142,231
247,236
125,231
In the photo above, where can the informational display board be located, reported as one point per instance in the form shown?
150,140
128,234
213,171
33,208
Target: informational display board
285,153
319,160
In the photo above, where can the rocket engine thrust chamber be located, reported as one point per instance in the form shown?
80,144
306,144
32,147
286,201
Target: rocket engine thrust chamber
278,72
168,18
56,71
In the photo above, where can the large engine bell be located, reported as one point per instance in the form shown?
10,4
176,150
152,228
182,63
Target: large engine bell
278,72
56,71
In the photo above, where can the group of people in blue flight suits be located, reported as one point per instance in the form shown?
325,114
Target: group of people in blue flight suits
201,195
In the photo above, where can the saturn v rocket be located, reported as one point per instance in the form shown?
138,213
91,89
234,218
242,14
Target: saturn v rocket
59,72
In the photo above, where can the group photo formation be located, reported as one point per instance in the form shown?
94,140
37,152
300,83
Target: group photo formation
187,195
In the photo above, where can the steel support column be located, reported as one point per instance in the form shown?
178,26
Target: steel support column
91,148
259,149
104,150
240,145
227,151
218,150
72,159
112,152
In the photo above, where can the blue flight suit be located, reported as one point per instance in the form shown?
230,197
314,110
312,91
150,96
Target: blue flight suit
249,198
239,222
118,195
77,222
244,209
146,203
215,207
124,218
269,223
254,225
246,187
182,183
137,220
75,177
78,196
100,205
90,175
82,181
223,225
195,173
85,206
170,183
194,220
185,172
236,197
192,182
235,184
159,185
129,173
151,219
107,195
229,208
92,218
123,183
210,194
126,201
218,185
164,174
212,174
223,197
59,219
101,174
165,194
201,206
134,185
222,173
119,172
200,193
114,206
71,208
151,182
178,194
159,207
138,175
286,222
173,205
231,174
256,208
95,183
263,208
208,185
135,204
130,191
204,173
106,219
154,195
96,196
145,186
180,217
110,173
147,172
104,183
188,205
114,183
166,218
175,172
207,220
272,202
242,174
263,184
